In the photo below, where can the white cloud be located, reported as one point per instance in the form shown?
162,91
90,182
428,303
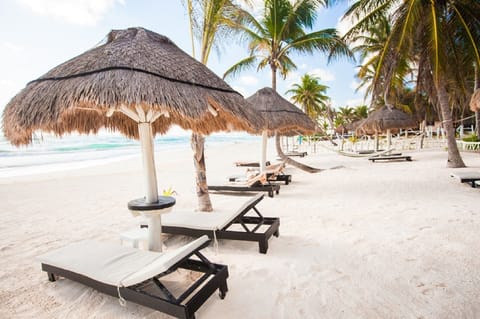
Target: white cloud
241,90
12,47
354,84
324,75
7,91
81,12
249,80
355,102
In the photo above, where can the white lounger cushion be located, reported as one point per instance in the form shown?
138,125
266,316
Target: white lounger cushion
115,264
465,174
206,221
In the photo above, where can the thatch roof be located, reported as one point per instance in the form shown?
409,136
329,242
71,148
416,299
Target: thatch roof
387,118
475,101
279,114
134,67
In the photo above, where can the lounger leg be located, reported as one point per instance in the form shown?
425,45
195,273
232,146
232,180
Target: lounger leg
51,276
277,233
270,193
263,246
223,290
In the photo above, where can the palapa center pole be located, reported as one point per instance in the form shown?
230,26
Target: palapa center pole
263,160
150,175
145,134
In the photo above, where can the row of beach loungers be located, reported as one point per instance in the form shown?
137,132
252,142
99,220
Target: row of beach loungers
143,277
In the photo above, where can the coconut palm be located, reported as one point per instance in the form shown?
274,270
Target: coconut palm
310,94
436,35
208,22
277,34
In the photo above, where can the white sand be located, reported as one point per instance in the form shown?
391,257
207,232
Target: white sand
370,240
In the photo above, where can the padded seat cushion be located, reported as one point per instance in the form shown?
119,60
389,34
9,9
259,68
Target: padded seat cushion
202,220
115,264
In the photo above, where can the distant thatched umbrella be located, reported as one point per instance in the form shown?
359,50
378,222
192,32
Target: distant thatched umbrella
385,119
280,117
349,127
475,101
139,83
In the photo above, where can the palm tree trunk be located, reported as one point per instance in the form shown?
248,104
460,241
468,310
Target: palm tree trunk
278,145
288,160
454,158
197,143
477,112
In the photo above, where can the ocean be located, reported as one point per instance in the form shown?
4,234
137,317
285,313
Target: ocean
49,153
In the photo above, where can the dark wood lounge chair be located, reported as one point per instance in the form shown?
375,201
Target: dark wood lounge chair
257,183
470,177
235,225
391,158
296,153
250,164
136,275
275,173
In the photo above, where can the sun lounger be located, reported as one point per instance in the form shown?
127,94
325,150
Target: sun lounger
256,183
139,276
275,173
470,177
296,153
391,158
234,224
250,164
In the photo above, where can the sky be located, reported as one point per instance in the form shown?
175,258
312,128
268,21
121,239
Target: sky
37,35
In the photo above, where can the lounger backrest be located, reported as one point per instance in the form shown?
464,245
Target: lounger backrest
249,204
115,264
275,168
209,221
257,179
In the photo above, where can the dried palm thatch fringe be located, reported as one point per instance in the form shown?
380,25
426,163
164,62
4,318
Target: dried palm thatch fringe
282,118
475,101
134,67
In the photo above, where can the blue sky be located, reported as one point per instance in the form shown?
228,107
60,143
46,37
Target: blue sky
37,35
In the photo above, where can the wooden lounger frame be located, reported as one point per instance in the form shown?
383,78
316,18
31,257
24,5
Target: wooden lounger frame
390,158
470,180
296,153
270,188
279,178
248,233
214,277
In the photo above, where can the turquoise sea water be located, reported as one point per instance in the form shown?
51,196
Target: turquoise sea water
50,153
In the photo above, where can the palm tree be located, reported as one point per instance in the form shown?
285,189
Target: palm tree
310,94
209,20
277,34
360,112
437,35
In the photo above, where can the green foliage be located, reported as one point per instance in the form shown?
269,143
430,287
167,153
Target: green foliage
310,94
281,31
471,138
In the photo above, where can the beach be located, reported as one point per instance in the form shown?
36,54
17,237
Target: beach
357,240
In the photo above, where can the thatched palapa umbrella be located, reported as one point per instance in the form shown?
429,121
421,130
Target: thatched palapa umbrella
280,117
385,119
138,83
